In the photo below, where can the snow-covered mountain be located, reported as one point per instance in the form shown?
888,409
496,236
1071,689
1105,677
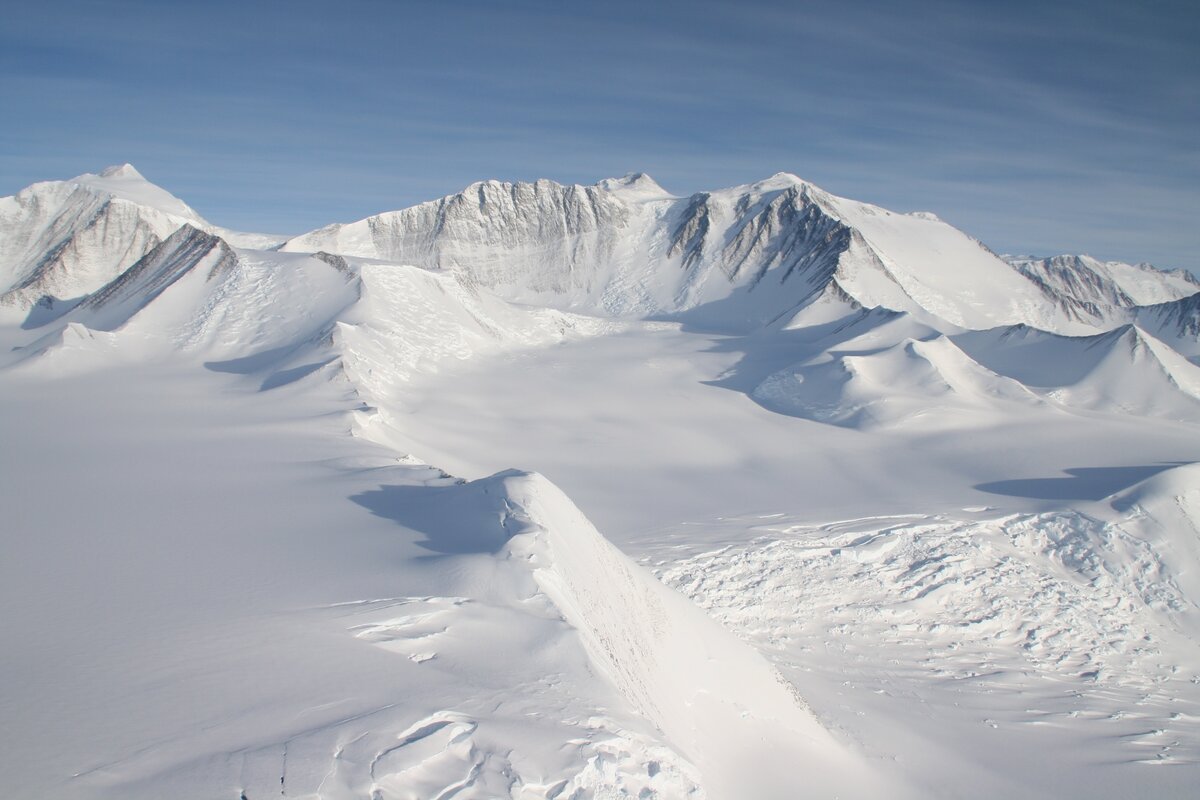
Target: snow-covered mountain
1176,322
1097,292
252,528
1125,369
60,240
780,254
738,257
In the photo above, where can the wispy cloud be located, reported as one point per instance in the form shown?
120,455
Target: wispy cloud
1026,123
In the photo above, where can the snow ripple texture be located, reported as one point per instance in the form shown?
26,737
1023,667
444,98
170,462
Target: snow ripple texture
1079,616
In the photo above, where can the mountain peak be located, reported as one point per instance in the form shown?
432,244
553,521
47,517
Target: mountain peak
784,179
638,182
778,181
124,182
126,171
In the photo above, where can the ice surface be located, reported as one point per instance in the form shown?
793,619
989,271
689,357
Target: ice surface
589,492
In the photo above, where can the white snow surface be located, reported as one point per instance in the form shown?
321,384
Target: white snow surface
1104,288
124,182
62,240
734,258
588,492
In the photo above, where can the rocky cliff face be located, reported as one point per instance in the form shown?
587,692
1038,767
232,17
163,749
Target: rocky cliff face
61,240
73,241
739,257
1099,293
736,259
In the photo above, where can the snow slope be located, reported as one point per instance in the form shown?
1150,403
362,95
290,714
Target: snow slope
1016,645
931,380
325,521
739,257
1124,371
60,240
1176,322
341,624
1098,292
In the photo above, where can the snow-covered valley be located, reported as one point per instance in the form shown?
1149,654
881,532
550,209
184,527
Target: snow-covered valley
590,492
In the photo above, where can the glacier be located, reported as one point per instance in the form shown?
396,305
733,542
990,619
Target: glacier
550,491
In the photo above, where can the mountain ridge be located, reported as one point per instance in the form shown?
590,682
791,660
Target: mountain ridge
619,247
798,410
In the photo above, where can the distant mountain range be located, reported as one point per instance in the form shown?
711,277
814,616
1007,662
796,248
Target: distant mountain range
521,262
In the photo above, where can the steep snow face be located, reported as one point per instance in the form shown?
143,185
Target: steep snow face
1124,371
737,258
186,251
753,254
1177,323
664,656
944,271
64,240
927,382
1099,293
194,296
60,240
533,242
124,182
183,251
187,257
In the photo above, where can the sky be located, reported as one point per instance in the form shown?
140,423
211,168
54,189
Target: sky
1037,127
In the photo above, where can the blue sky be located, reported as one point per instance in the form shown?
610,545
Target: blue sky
1036,127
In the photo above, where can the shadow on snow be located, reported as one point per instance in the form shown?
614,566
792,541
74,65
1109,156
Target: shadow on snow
1085,483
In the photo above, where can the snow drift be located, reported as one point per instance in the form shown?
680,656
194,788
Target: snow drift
917,380
721,704
1124,371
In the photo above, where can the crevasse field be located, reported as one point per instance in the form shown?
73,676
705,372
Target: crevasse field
543,491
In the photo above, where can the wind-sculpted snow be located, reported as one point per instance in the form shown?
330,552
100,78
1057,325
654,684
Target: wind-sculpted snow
665,658
931,513
930,382
1124,371
598,682
995,628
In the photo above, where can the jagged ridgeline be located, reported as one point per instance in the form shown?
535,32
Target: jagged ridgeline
738,258
883,455
514,264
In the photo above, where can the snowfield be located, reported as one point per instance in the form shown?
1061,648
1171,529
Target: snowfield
570,492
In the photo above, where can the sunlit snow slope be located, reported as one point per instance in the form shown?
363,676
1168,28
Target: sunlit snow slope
544,491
